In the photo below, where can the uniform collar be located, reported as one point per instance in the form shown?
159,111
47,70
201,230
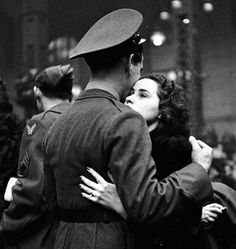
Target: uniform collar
59,107
94,93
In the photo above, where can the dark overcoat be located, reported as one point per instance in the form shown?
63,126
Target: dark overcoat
98,131
30,222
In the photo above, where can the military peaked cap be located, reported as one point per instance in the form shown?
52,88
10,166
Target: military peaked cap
109,31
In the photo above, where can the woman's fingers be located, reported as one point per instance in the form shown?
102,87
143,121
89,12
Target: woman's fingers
98,178
90,197
90,183
88,190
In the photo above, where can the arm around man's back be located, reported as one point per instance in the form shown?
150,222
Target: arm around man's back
145,199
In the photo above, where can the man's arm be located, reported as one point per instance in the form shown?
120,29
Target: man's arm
226,196
224,227
134,172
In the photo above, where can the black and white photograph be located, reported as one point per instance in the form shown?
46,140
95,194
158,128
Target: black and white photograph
117,124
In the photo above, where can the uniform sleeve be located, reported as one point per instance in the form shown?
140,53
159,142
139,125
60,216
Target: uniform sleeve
25,209
222,230
145,199
226,196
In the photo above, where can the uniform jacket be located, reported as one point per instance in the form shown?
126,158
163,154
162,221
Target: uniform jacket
100,132
29,221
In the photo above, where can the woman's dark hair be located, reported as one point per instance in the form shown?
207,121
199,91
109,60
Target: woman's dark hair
108,58
173,108
171,148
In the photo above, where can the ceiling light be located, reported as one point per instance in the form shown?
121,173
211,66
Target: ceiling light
208,6
158,38
164,15
176,4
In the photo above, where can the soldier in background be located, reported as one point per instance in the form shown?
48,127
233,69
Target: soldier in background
10,135
30,220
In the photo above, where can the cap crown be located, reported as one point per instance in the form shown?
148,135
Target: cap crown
111,30
58,79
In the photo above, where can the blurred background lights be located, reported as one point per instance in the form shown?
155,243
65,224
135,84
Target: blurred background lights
176,4
158,38
186,21
208,6
59,49
164,15
171,75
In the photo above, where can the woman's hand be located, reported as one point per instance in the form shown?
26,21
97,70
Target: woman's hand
102,192
211,211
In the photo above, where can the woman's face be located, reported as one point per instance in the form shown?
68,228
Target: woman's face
144,99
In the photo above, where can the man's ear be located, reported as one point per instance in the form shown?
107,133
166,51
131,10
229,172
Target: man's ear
131,63
126,64
37,92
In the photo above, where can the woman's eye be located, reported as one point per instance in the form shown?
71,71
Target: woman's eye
143,95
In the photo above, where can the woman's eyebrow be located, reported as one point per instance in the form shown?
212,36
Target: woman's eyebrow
144,90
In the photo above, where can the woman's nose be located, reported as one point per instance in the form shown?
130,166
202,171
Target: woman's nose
129,100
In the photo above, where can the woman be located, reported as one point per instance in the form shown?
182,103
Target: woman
164,106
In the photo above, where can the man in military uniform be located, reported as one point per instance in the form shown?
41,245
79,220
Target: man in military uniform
30,221
98,131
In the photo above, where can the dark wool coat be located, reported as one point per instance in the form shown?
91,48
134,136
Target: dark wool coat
29,222
100,132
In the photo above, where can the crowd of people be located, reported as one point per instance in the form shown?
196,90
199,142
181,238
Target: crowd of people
118,167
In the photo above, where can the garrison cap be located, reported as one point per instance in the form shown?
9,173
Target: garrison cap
56,79
109,31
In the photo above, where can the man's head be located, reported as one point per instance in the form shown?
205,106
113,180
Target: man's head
54,83
113,42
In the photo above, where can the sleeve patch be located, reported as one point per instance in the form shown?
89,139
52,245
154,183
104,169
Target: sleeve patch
30,129
24,166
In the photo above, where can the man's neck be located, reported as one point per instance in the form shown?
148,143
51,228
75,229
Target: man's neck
106,86
48,104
